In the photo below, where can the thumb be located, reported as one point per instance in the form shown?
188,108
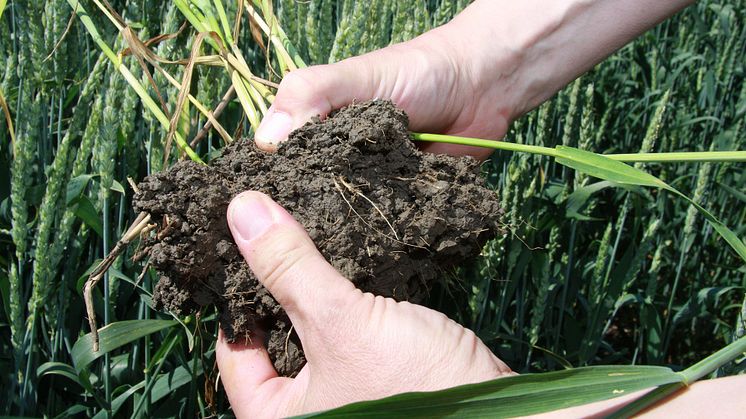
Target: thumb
312,91
284,259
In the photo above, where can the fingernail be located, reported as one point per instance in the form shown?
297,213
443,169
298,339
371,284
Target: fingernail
275,127
249,216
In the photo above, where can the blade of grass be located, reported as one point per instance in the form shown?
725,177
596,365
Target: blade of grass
154,378
607,169
478,142
245,98
227,32
681,157
514,396
114,336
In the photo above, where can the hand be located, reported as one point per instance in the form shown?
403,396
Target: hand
473,76
424,77
358,346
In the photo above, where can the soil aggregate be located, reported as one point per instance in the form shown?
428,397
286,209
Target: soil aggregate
390,218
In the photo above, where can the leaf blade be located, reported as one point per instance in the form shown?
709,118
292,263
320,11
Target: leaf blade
114,336
515,396
605,168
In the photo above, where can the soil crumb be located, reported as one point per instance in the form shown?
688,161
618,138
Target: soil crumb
390,218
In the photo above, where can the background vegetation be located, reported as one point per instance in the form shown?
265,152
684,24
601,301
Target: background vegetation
588,274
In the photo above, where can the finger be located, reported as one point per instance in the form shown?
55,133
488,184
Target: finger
243,369
285,260
315,91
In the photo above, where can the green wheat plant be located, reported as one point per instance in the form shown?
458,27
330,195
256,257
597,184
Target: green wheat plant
611,278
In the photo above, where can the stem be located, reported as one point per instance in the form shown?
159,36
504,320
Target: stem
566,285
705,156
153,379
478,142
107,308
708,365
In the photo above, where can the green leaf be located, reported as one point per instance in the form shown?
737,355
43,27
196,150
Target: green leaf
699,303
67,371
164,349
113,336
734,241
118,401
730,237
88,214
606,168
117,187
735,192
189,334
167,383
58,368
694,373
514,396
76,186
578,199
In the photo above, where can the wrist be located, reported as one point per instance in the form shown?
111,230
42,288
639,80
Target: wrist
519,54
504,44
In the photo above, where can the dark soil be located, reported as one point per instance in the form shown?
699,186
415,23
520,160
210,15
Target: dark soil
388,217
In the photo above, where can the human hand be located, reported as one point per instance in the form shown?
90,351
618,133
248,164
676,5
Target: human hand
473,76
430,77
422,76
358,346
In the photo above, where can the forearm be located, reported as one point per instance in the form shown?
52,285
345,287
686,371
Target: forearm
541,45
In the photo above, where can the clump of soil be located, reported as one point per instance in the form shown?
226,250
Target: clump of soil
387,216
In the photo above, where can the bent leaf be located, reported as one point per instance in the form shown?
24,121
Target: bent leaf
578,199
607,169
86,211
58,368
117,403
76,186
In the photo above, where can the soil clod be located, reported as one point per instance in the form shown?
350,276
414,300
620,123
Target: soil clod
390,218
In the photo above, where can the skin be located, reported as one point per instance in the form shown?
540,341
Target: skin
470,77
358,346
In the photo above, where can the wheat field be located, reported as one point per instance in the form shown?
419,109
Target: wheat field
588,273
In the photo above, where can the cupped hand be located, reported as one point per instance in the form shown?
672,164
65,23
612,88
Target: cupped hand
358,346
428,77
